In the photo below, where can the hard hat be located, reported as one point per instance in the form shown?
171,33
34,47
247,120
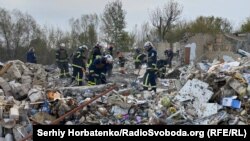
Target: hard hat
98,43
62,45
83,47
109,58
148,44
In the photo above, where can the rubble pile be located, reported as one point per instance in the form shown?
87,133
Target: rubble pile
22,87
208,93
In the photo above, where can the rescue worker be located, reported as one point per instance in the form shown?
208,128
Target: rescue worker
62,61
139,58
31,56
169,55
97,72
121,61
149,79
161,66
110,50
109,64
79,65
96,53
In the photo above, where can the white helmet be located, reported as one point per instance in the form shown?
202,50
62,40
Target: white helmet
109,58
148,44
83,47
62,45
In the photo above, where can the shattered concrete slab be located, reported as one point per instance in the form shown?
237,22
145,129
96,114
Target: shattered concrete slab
229,66
198,92
19,132
247,77
82,89
36,94
213,119
228,58
118,100
238,87
205,109
5,86
1,92
26,79
194,89
171,84
118,111
204,66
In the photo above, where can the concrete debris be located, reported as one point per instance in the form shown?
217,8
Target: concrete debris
14,113
203,93
26,79
81,90
5,86
19,132
213,119
243,53
8,123
194,89
118,111
238,87
118,100
9,137
4,68
15,71
1,92
42,118
204,66
36,94
228,58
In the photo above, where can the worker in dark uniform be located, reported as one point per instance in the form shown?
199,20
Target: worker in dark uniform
96,53
139,58
79,65
169,55
31,56
110,50
149,79
62,61
97,71
121,60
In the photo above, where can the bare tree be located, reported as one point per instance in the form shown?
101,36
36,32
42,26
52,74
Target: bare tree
17,30
163,18
143,33
24,30
84,30
5,30
54,36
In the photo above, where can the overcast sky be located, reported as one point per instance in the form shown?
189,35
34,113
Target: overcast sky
58,12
